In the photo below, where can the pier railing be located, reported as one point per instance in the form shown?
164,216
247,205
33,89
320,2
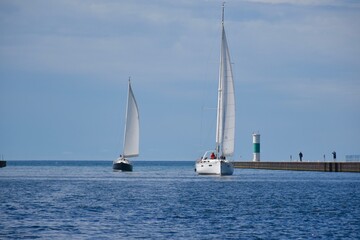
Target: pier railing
352,158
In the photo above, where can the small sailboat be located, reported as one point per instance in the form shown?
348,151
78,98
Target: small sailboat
131,134
2,162
215,162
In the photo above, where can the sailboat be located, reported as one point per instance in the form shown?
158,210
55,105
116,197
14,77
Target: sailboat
131,134
2,162
215,162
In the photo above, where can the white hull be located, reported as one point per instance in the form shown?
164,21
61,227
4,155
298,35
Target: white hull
214,167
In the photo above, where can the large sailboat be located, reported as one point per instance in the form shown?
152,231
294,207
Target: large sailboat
131,134
215,162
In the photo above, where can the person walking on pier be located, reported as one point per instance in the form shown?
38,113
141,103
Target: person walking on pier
300,156
334,155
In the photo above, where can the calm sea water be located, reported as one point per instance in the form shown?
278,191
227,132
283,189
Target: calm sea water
167,200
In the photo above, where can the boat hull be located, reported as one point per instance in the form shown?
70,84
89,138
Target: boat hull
214,167
122,165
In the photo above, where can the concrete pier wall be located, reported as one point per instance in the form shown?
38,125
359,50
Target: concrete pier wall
302,166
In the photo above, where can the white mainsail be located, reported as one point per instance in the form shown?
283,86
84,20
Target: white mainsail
132,127
225,129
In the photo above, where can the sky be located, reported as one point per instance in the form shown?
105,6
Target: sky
64,67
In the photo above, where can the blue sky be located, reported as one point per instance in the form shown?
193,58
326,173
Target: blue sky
65,65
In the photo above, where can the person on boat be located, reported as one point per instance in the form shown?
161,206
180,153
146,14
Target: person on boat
300,156
212,156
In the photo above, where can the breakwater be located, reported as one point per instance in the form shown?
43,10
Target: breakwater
302,166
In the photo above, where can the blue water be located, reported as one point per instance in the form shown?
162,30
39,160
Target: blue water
167,200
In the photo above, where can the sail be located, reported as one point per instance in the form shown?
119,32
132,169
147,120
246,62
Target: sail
225,136
132,126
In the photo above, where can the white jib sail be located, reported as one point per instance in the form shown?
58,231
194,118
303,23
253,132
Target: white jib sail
225,136
132,127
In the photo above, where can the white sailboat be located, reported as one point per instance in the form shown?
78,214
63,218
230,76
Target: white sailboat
131,134
215,162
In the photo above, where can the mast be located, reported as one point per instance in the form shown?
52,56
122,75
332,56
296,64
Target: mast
126,117
222,13
220,120
225,128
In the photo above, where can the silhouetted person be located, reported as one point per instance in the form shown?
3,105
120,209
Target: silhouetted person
334,155
300,156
